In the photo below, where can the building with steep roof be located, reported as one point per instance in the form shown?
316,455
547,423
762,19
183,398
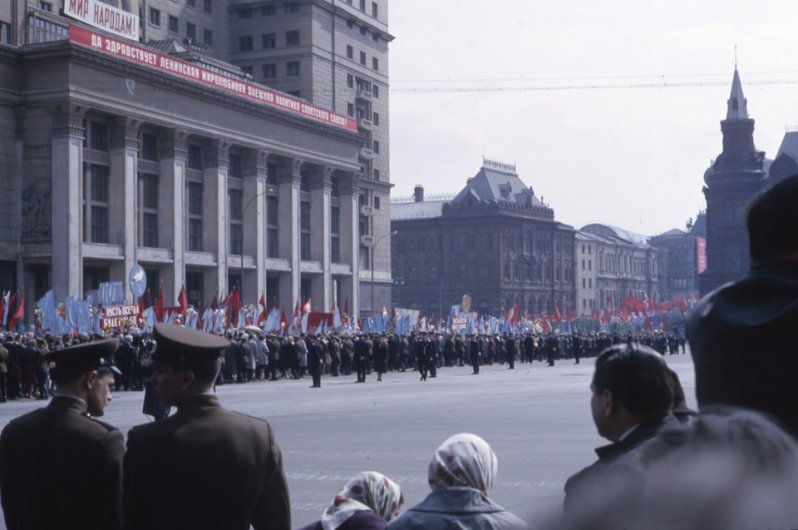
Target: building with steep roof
732,180
495,240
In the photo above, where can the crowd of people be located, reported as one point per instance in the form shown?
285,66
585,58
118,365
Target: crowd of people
732,465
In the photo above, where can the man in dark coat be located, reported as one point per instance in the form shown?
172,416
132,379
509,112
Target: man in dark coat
631,401
59,467
203,467
361,357
743,335
315,356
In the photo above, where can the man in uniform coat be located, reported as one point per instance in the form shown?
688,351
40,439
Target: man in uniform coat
59,467
315,356
743,335
203,467
361,357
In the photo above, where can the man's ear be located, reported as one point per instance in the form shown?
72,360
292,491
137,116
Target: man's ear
188,378
607,403
88,379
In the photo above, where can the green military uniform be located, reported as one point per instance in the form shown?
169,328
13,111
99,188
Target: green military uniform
59,468
205,467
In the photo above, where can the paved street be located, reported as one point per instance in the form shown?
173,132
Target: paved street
536,419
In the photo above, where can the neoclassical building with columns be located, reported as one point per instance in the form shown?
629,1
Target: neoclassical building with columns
113,154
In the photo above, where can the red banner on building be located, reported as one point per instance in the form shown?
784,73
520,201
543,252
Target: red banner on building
193,72
701,254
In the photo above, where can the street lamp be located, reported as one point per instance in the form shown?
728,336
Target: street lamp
373,247
243,222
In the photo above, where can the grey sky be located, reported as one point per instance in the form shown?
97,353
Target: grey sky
611,110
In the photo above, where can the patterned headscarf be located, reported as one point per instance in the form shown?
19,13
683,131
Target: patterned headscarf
368,490
463,460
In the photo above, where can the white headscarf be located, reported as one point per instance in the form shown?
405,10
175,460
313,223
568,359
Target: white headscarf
368,490
464,460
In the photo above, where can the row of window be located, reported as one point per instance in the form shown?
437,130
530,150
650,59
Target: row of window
173,24
350,54
267,11
207,5
268,41
362,4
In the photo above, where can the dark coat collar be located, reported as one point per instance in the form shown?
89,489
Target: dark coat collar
646,430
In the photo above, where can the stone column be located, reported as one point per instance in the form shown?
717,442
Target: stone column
289,181
67,203
254,224
123,197
172,155
216,164
320,201
350,241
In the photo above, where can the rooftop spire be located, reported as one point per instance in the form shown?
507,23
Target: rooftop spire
737,104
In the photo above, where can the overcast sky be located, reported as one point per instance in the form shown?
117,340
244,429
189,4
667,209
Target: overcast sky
611,110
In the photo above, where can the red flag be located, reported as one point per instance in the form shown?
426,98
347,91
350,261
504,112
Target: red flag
18,314
345,316
262,316
10,304
214,301
557,315
183,301
511,317
235,305
160,305
283,320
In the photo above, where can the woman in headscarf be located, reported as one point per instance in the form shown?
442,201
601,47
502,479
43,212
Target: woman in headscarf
462,472
368,501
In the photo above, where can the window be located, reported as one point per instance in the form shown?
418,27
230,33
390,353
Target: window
194,156
247,69
305,181
292,69
374,9
292,38
350,53
375,37
291,7
149,146
362,5
350,80
97,202
191,31
45,6
236,218
236,166
272,219
375,63
245,43
207,37
362,30
350,23
268,41
304,226
155,17
376,203
245,13
207,6
376,146
149,206
271,173
269,71
376,174
173,24
335,222
191,3
376,119
195,208
266,11
350,110
5,33
375,90
98,136
363,58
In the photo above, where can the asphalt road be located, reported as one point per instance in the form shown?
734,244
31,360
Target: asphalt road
536,418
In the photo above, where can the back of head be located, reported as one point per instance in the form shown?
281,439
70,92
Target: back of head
463,460
637,377
368,489
773,221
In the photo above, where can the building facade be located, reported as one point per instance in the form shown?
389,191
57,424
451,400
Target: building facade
625,265
685,261
165,155
495,241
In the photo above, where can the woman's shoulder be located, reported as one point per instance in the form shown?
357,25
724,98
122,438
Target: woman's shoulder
364,520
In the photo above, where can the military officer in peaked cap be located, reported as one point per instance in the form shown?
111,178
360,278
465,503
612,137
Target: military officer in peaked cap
204,467
59,467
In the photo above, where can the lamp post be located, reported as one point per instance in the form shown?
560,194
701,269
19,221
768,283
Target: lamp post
373,247
243,222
